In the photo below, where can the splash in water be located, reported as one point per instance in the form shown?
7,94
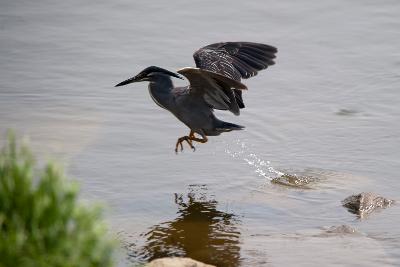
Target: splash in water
262,167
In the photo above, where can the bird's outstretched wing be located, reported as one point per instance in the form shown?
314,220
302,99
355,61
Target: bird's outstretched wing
216,89
235,60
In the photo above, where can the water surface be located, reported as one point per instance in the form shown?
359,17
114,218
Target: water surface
328,109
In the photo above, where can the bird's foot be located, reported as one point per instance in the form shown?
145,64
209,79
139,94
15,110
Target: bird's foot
180,143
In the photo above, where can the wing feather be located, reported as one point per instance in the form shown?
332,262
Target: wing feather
226,58
216,89
235,60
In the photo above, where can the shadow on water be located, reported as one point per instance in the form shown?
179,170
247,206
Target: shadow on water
200,231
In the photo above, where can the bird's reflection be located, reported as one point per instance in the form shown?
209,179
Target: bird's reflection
200,231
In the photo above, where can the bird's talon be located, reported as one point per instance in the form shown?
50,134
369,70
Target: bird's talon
189,140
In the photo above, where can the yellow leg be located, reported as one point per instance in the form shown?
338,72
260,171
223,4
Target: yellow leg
194,138
189,138
181,140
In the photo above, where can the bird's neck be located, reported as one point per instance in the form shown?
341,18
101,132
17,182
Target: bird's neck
160,90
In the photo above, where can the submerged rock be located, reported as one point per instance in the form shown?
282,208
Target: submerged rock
365,203
346,112
341,230
176,262
294,180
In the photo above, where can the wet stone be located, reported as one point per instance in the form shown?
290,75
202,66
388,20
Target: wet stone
365,203
294,180
341,230
176,262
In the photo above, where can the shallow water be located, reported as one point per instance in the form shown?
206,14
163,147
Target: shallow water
329,109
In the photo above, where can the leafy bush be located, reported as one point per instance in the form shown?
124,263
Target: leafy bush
41,223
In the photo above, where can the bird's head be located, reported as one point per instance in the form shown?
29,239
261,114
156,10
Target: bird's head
149,74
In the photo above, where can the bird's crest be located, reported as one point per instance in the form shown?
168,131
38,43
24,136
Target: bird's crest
156,69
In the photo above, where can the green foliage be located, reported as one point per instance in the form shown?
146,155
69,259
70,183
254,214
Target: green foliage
41,223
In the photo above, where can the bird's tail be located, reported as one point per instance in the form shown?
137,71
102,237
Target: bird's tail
227,126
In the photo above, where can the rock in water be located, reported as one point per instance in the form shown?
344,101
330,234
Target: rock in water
177,262
341,230
365,203
294,180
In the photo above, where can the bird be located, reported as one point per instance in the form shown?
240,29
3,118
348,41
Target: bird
214,84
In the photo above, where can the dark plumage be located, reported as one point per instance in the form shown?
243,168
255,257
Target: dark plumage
235,60
214,84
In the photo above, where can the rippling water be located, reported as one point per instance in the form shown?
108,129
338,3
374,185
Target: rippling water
329,109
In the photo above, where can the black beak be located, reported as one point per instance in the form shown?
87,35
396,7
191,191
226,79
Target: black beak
130,80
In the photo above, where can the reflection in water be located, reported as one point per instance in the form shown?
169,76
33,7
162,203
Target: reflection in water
200,231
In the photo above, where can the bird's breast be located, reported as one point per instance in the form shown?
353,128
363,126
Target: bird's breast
162,99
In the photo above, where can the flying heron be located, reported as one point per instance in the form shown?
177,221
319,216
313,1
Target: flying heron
215,83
